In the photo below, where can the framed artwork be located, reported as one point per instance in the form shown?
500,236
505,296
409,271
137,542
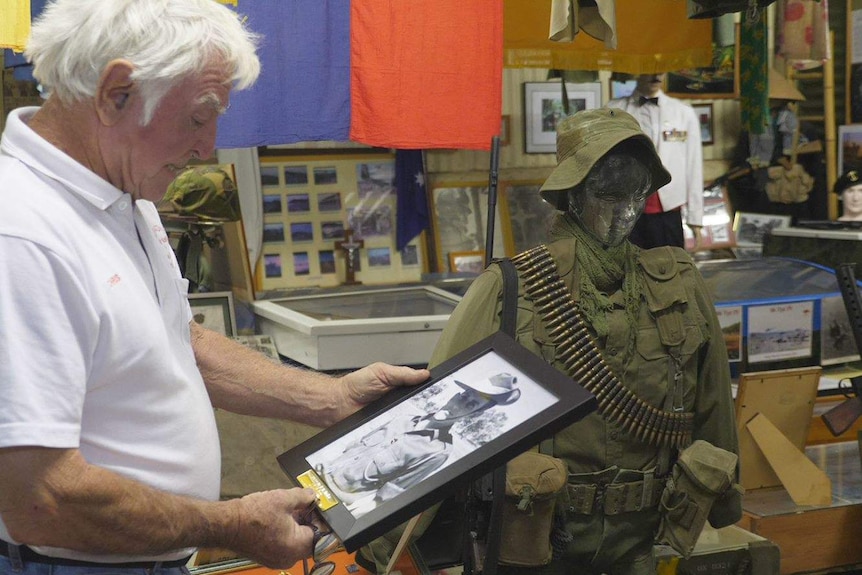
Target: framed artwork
750,228
215,311
849,148
471,262
459,215
526,216
543,108
312,203
717,231
707,130
720,80
367,483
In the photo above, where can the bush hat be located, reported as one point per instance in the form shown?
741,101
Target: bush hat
585,137
502,388
847,180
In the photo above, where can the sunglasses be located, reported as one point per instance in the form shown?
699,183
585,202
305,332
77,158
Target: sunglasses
324,544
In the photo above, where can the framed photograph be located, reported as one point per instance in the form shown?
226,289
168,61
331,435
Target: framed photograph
717,231
707,131
526,216
543,108
459,217
215,311
472,262
750,228
720,80
479,409
849,148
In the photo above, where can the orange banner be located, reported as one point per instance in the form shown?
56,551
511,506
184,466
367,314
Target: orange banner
653,36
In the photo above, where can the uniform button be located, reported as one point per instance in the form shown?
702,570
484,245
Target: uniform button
123,204
613,435
662,269
612,351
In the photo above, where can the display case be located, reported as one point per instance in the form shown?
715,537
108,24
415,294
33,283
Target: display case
779,313
346,330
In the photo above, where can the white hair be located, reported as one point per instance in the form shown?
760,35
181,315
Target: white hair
165,40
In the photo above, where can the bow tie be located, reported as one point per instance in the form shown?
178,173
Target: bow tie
644,100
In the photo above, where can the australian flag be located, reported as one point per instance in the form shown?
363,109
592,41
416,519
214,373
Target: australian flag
412,207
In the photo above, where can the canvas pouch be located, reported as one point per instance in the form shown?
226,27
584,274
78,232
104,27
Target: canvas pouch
533,482
701,474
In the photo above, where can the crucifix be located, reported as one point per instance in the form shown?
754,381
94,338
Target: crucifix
351,248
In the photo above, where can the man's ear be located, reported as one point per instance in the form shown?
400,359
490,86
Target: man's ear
114,92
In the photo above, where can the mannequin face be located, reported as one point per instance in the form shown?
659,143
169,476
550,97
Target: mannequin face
851,198
612,197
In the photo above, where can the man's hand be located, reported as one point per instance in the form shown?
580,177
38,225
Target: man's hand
271,529
369,383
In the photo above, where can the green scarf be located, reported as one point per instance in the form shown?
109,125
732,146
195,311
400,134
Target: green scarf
602,270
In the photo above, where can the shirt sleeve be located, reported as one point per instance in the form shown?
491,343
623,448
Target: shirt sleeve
47,332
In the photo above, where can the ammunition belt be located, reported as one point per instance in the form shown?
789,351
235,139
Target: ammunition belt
581,359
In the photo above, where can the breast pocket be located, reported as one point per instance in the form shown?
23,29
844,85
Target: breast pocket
654,369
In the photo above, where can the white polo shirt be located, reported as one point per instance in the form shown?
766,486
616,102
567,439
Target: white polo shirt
95,350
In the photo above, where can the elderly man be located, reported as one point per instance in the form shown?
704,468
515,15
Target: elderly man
109,453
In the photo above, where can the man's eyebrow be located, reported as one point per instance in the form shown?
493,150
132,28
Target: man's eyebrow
213,101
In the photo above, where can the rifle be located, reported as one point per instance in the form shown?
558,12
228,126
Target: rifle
841,417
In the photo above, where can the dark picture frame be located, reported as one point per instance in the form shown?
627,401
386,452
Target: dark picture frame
721,80
215,311
547,400
707,126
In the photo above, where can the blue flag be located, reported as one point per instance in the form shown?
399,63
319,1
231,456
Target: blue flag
412,206
303,92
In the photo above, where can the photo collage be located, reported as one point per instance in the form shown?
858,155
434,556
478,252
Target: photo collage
319,212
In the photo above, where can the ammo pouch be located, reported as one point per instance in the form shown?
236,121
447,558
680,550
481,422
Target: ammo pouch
701,474
533,481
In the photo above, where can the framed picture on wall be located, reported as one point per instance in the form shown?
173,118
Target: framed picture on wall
215,311
471,262
704,115
849,148
720,80
543,108
459,216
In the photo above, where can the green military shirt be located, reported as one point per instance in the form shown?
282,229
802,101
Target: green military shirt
676,296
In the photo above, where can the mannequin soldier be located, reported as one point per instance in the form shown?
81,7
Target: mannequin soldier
652,330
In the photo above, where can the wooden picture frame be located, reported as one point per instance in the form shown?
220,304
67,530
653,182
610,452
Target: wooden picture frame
707,127
543,108
721,80
526,217
459,216
786,398
621,88
533,401
215,311
313,200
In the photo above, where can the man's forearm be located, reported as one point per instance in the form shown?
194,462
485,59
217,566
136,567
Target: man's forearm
243,381
65,502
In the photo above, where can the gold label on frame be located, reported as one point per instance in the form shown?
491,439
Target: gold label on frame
325,498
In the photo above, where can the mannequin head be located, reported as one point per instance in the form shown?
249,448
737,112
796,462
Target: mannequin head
849,189
650,84
612,196
606,168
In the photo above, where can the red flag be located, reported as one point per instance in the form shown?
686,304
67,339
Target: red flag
426,73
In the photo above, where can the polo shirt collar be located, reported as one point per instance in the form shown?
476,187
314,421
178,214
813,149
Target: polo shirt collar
21,142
